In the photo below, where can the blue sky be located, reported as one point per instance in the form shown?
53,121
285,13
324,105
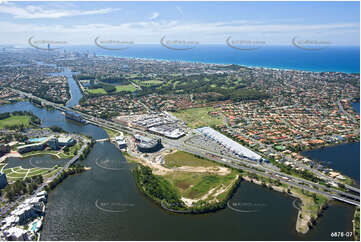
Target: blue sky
78,23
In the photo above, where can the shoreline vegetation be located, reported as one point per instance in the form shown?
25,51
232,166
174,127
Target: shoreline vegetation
18,120
312,205
166,195
305,174
163,193
68,172
356,224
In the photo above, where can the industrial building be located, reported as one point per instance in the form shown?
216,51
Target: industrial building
231,145
169,131
160,123
147,145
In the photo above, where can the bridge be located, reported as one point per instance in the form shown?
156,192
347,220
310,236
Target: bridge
102,140
236,163
346,200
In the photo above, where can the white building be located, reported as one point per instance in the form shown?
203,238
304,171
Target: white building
228,143
66,141
15,233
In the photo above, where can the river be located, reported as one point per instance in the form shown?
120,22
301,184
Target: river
74,89
105,204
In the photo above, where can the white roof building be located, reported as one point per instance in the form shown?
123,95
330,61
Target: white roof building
229,143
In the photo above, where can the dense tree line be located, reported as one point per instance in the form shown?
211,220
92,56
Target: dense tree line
157,187
205,206
87,150
34,120
70,171
4,115
21,187
120,79
84,77
56,129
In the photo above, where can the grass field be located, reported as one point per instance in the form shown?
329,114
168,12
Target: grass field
57,153
181,158
119,88
111,133
96,91
150,83
198,117
15,120
127,88
194,185
19,173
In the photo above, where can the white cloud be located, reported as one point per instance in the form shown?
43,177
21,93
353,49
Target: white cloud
154,16
35,12
180,10
151,31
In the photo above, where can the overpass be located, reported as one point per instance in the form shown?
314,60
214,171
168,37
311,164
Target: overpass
346,200
236,163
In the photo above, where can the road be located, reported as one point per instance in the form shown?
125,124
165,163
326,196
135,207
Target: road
11,205
236,163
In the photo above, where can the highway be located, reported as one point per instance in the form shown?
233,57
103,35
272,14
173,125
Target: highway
236,163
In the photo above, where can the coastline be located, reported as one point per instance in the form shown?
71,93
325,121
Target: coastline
227,64
222,47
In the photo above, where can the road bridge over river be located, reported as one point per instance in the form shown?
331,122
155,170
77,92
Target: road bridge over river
224,159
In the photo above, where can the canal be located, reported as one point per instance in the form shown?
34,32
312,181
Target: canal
344,157
104,203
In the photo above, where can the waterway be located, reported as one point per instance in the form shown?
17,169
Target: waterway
344,157
105,204
74,89
51,118
43,161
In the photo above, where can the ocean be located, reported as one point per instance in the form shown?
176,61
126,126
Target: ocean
331,59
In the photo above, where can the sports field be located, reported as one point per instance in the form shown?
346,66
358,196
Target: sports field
199,117
15,120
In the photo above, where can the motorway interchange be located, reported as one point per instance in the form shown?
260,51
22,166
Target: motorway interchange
351,197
